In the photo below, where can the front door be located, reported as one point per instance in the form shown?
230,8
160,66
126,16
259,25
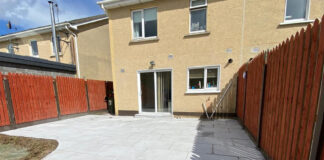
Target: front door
155,91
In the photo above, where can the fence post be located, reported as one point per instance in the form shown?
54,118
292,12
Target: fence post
9,101
318,122
87,95
264,74
244,100
56,98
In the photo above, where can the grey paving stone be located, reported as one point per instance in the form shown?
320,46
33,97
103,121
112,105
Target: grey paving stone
102,137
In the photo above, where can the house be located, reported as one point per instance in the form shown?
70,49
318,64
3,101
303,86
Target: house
173,56
82,42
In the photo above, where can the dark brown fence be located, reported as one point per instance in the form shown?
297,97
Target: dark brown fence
72,95
4,116
33,97
96,94
282,96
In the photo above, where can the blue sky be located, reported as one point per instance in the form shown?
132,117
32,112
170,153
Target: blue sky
26,14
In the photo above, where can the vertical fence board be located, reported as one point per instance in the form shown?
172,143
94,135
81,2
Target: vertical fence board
72,95
96,94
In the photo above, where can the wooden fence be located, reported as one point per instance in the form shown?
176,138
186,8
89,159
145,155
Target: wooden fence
96,94
282,109
72,95
28,98
4,116
32,97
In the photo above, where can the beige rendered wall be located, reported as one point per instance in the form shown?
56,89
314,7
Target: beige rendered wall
225,19
173,26
44,44
94,51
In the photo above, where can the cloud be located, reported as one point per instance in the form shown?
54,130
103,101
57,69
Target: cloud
35,13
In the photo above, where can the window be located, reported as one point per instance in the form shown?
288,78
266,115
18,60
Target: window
296,10
11,48
144,23
34,48
203,79
58,42
198,16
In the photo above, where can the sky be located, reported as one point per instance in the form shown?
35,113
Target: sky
26,14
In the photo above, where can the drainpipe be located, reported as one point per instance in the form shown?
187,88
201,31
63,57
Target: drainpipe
76,49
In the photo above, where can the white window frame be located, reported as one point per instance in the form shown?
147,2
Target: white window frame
143,24
53,54
11,46
300,19
31,48
203,5
195,8
205,89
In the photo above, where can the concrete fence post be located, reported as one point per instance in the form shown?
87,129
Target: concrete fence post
264,74
56,98
87,95
9,101
318,123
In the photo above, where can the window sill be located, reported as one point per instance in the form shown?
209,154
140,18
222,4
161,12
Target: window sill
202,92
296,22
52,56
193,34
152,39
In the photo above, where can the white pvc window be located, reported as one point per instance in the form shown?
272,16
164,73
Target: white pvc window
203,79
11,48
34,48
198,15
296,10
58,42
144,23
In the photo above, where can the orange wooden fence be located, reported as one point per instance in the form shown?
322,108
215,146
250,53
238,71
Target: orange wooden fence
289,104
96,94
4,115
32,96
241,81
72,95
253,94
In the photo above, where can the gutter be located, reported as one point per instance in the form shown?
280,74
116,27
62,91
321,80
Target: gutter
76,49
110,4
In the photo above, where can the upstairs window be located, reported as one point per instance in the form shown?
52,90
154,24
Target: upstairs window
11,48
296,10
198,15
144,23
34,48
58,42
203,79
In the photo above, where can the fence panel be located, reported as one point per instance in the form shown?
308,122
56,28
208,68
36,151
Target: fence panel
4,115
72,95
253,94
292,87
97,94
241,82
32,97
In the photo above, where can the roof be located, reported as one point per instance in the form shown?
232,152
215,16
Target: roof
111,4
35,63
45,29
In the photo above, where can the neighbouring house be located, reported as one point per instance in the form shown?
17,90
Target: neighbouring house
82,42
173,56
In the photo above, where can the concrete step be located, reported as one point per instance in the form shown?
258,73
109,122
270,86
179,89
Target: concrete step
154,115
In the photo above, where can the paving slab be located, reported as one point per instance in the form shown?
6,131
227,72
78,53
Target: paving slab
105,137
